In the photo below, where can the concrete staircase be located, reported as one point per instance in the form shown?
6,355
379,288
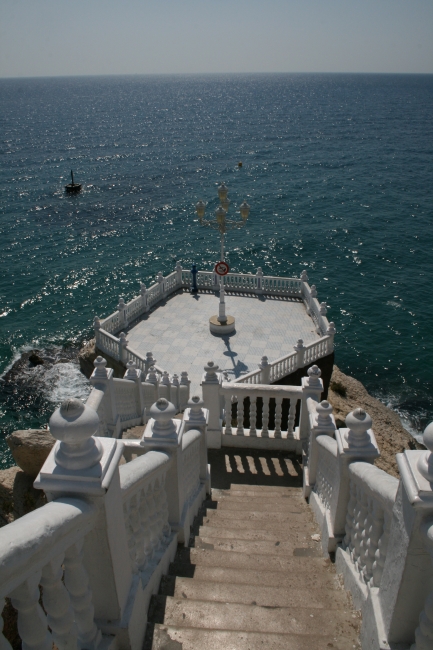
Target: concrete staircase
252,578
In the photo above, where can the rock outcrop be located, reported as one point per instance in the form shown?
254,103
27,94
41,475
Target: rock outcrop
17,495
30,449
347,393
88,354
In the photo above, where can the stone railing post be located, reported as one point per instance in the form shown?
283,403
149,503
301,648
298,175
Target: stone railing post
323,310
331,333
121,308
174,392
197,417
300,350
265,368
102,379
162,434
322,423
123,342
149,361
312,296
184,388
144,297
304,276
134,374
312,386
407,578
160,279
178,269
81,465
356,443
152,378
211,382
259,281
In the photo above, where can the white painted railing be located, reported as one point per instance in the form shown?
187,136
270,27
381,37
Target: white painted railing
145,509
99,554
237,393
123,403
380,528
45,549
368,519
127,313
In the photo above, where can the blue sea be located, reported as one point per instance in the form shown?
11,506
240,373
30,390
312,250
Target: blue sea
337,170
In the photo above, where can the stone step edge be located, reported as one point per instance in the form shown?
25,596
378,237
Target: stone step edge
215,632
212,602
335,587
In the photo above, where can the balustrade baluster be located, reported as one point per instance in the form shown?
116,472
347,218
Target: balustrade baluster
57,604
253,415
156,543
159,522
228,414
375,535
77,584
240,417
164,509
292,413
380,554
365,539
278,416
145,522
4,643
360,532
131,515
32,623
356,524
265,418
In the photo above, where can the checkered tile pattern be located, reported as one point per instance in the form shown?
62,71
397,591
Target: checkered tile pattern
177,332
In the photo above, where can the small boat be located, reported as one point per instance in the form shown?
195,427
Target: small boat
73,187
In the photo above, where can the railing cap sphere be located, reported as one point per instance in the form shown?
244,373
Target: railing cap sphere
74,425
163,412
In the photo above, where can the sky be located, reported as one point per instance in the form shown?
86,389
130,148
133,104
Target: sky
99,37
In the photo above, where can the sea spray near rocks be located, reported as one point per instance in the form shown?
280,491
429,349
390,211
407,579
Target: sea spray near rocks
29,393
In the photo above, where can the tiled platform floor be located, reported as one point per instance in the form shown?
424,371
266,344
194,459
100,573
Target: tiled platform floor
177,332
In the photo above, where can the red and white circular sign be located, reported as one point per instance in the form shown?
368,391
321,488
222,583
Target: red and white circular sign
221,268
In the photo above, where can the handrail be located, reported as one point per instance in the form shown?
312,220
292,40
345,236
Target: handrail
29,543
376,482
143,468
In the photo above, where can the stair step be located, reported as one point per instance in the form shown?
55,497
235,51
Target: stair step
266,596
277,493
251,618
268,548
181,638
287,516
276,506
239,487
232,559
252,533
315,575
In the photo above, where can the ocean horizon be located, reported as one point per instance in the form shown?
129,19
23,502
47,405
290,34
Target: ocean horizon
337,171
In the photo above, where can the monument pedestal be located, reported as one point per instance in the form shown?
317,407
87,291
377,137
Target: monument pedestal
226,327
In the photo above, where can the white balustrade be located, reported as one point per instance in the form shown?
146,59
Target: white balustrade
145,508
99,558
237,393
34,550
368,519
327,469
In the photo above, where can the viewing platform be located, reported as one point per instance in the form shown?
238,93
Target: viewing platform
280,327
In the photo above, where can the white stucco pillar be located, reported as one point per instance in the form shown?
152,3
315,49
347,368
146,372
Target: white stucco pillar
211,382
